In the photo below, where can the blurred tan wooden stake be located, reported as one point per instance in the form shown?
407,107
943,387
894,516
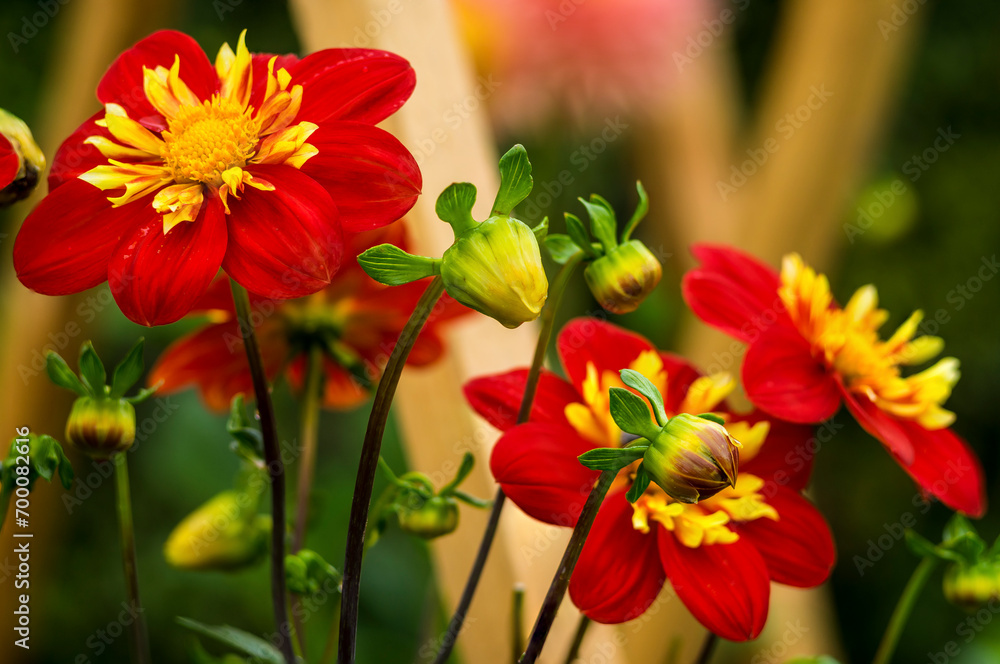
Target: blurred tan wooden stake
436,424
89,35
836,53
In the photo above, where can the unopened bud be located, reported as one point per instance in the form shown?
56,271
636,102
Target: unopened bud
621,279
427,517
225,533
972,586
496,268
692,458
100,427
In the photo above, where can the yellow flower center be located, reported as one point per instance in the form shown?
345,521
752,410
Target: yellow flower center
846,340
204,141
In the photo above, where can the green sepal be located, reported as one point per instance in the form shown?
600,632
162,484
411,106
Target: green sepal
631,413
468,461
46,459
454,206
128,372
920,545
578,234
249,441
561,248
60,374
643,386
611,458
541,231
92,369
471,500
961,538
639,485
306,572
244,642
712,417
640,212
143,394
602,221
390,265
515,180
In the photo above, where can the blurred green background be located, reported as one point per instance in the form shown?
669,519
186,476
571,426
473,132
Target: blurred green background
925,248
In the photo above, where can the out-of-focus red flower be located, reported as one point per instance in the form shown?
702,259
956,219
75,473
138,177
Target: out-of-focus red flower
807,354
585,59
10,163
720,554
256,165
355,320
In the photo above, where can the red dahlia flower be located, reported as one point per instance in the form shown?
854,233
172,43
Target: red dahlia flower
807,355
255,164
719,554
355,321
10,163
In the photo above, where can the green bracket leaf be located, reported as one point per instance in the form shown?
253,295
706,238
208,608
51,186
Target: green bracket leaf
454,205
578,233
640,212
631,413
244,642
602,221
390,265
541,231
468,461
515,180
561,248
712,417
611,458
643,386
128,372
639,486
60,374
92,369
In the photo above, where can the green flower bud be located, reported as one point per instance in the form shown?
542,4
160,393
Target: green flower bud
31,158
226,533
427,517
972,586
100,427
621,279
692,458
496,268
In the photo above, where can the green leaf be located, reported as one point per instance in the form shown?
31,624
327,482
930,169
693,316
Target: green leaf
631,413
128,371
468,461
143,394
60,374
92,369
561,248
602,221
611,458
515,180
639,486
920,545
639,214
390,265
244,642
541,231
643,386
578,234
45,460
454,205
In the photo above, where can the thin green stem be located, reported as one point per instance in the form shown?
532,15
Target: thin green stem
126,530
331,639
707,648
547,324
560,582
902,611
369,463
309,435
574,647
275,470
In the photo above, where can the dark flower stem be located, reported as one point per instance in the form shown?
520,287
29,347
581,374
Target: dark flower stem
275,469
123,500
574,647
902,611
547,323
557,589
517,623
707,648
369,463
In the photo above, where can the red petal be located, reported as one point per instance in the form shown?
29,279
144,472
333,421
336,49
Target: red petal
781,377
680,375
786,457
371,177
497,398
798,548
607,346
211,358
122,84
75,157
536,464
725,586
10,163
352,84
733,292
619,574
941,463
66,243
158,278
283,243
